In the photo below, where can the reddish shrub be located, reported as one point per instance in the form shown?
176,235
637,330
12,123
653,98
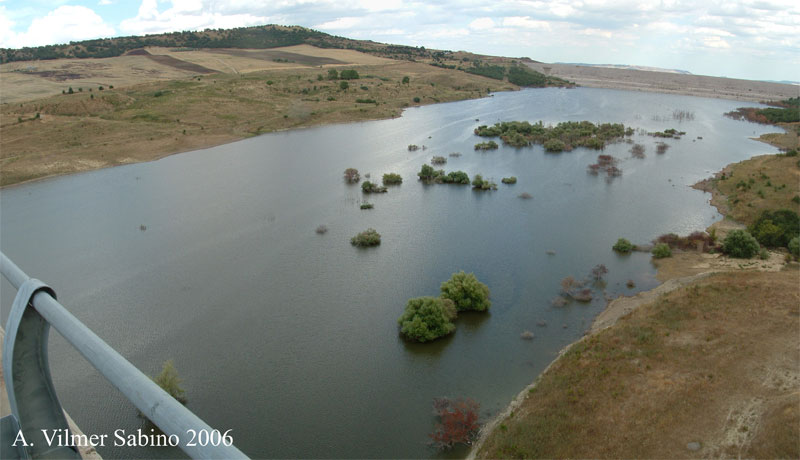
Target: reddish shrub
599,271
458,422
606,160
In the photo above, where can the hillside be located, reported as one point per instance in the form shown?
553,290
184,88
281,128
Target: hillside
149,104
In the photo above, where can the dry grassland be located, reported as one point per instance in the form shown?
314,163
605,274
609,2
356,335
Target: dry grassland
26,81
766,182
298,56
146,121
716,363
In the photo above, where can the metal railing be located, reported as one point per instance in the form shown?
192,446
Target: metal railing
33,400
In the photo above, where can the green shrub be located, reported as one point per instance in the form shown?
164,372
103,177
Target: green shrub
554,145
427,318
509,180
491,145
392,179
661,250
438,160
794,246
624,246
369,187
428,173
369,237
343,85
776,228
367,205
740,244
416,100
454,177
349,74
466,292
479,183
169,381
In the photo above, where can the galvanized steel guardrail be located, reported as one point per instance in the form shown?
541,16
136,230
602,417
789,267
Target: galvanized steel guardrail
34,404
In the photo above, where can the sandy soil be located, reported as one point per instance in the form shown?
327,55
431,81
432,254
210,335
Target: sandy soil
671,83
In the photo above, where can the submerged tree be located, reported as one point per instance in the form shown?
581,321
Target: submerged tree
427,318
466,292
458,422
169,381
351,175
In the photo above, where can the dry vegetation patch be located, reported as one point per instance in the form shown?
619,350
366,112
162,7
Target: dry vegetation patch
716,363
82,131
743,190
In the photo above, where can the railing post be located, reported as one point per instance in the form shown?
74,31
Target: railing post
26,370
28,335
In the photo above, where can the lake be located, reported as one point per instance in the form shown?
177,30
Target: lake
289,338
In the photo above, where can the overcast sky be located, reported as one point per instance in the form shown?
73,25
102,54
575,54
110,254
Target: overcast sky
752,39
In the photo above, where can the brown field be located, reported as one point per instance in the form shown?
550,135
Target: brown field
145,121
27,81
715,363
667,82
244,60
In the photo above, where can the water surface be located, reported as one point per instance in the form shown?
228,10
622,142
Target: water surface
289,338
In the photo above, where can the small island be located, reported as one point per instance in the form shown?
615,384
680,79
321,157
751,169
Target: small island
367,238
565,136
429,318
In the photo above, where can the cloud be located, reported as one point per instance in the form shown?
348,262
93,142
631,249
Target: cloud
105,2
186,15
525,22
62,25
648,32
339,24
482,24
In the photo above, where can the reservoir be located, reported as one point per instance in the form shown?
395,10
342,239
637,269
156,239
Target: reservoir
289,338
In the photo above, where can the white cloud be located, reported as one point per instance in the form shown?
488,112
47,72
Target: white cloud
715,42
562,10
339,24
647,32
525,22
62,25
186,15
481,24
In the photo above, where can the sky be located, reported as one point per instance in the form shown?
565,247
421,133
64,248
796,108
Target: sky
750,39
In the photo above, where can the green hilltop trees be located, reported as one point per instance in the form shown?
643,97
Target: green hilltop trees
428,318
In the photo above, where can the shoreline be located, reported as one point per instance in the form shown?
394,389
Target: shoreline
624,305
205,140
614,310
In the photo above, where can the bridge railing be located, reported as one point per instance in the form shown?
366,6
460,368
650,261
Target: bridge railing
34,404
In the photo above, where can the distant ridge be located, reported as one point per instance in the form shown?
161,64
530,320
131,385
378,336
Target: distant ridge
629,67
257,37
784,82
